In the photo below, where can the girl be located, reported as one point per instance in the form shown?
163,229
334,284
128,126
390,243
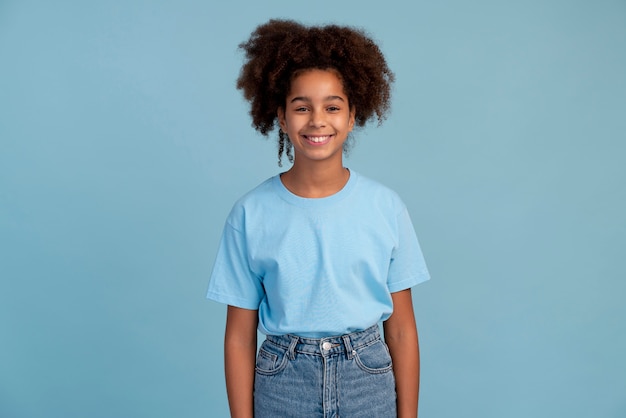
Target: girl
316,256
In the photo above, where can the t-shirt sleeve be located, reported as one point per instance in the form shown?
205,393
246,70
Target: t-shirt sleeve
407,267
232,281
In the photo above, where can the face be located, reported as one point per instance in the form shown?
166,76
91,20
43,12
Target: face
317,117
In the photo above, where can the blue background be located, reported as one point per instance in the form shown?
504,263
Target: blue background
123,144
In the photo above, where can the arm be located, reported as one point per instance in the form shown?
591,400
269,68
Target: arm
401,338
239,360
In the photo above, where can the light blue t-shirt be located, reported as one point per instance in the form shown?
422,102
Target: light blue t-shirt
317,267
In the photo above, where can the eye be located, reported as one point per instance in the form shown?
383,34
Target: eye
333,109
301,109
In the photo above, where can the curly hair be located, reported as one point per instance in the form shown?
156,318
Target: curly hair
280,49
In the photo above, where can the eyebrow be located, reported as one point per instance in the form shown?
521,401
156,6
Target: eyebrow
308,99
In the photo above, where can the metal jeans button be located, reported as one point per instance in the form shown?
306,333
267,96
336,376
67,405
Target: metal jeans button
326,345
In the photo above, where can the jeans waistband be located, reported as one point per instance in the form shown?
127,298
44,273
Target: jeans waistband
328,345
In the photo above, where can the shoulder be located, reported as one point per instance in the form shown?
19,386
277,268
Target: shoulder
371,185
378,194
263,191
261,195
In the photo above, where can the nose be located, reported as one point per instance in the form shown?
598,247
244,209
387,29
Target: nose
317,119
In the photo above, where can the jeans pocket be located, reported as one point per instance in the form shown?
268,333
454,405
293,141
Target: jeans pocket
271,359
373,358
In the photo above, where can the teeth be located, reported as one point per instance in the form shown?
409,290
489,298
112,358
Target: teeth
318,139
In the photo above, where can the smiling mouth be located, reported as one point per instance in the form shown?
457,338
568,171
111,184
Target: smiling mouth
317,139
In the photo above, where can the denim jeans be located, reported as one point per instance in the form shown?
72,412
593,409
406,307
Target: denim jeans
344,376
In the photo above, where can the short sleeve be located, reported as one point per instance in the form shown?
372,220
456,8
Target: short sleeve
232,281
407,267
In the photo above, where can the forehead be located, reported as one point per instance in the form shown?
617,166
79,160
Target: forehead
316,81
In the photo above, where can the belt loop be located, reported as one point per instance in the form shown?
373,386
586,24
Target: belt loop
348,345
291,351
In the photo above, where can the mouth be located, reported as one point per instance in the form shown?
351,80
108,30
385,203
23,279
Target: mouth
318,139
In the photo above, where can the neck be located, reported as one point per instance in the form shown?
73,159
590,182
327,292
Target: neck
315,180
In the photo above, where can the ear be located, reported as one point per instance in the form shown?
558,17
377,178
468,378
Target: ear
352,118
281,119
